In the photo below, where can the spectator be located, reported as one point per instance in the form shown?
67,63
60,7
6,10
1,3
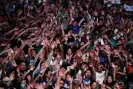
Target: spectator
65,44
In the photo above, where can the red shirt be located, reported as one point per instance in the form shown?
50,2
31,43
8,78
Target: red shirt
130,69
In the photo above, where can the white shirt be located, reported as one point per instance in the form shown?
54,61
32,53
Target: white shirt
100,77
54,62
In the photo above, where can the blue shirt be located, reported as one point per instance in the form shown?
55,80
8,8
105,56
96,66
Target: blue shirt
75,29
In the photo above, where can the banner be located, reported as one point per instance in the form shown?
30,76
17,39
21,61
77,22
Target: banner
112,1
128,8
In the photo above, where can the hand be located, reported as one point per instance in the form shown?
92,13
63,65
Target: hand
14,63
79,53
91,65
30,86
108,52
57,66
74,64
97,49
25,42
88,43
71,11
46,42
39,86
46,65
12,77
28,14
57,41
96,42
116,52
18,69
32,68
61,72
52,46
62,26
106,37
42,70
96,52
80,78
70,79
57,86
113,65
66,38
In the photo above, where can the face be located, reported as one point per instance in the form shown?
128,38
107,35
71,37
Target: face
22,55
123,39
61,83
88,73
114,11
29,78
100,68
49,74
119,42
42,65
22,66
91,54
109,80
105,41
74,23
70,33
102,13
95,13
41,57
94,85
108,47
69,51
87,37
23,84
77,87
33,53
120,47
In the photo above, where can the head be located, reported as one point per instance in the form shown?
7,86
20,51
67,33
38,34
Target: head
88,36
22,55
23,84
95,13
120,47
76,84
91,54
75,23
107,47
84,66
33,51
22,66
88,73
28,78
99,67
49,74
119,42
109,79
69,51
42,65
61,83
93,85
102,12
57,56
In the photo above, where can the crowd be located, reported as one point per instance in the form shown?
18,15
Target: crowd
65,44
